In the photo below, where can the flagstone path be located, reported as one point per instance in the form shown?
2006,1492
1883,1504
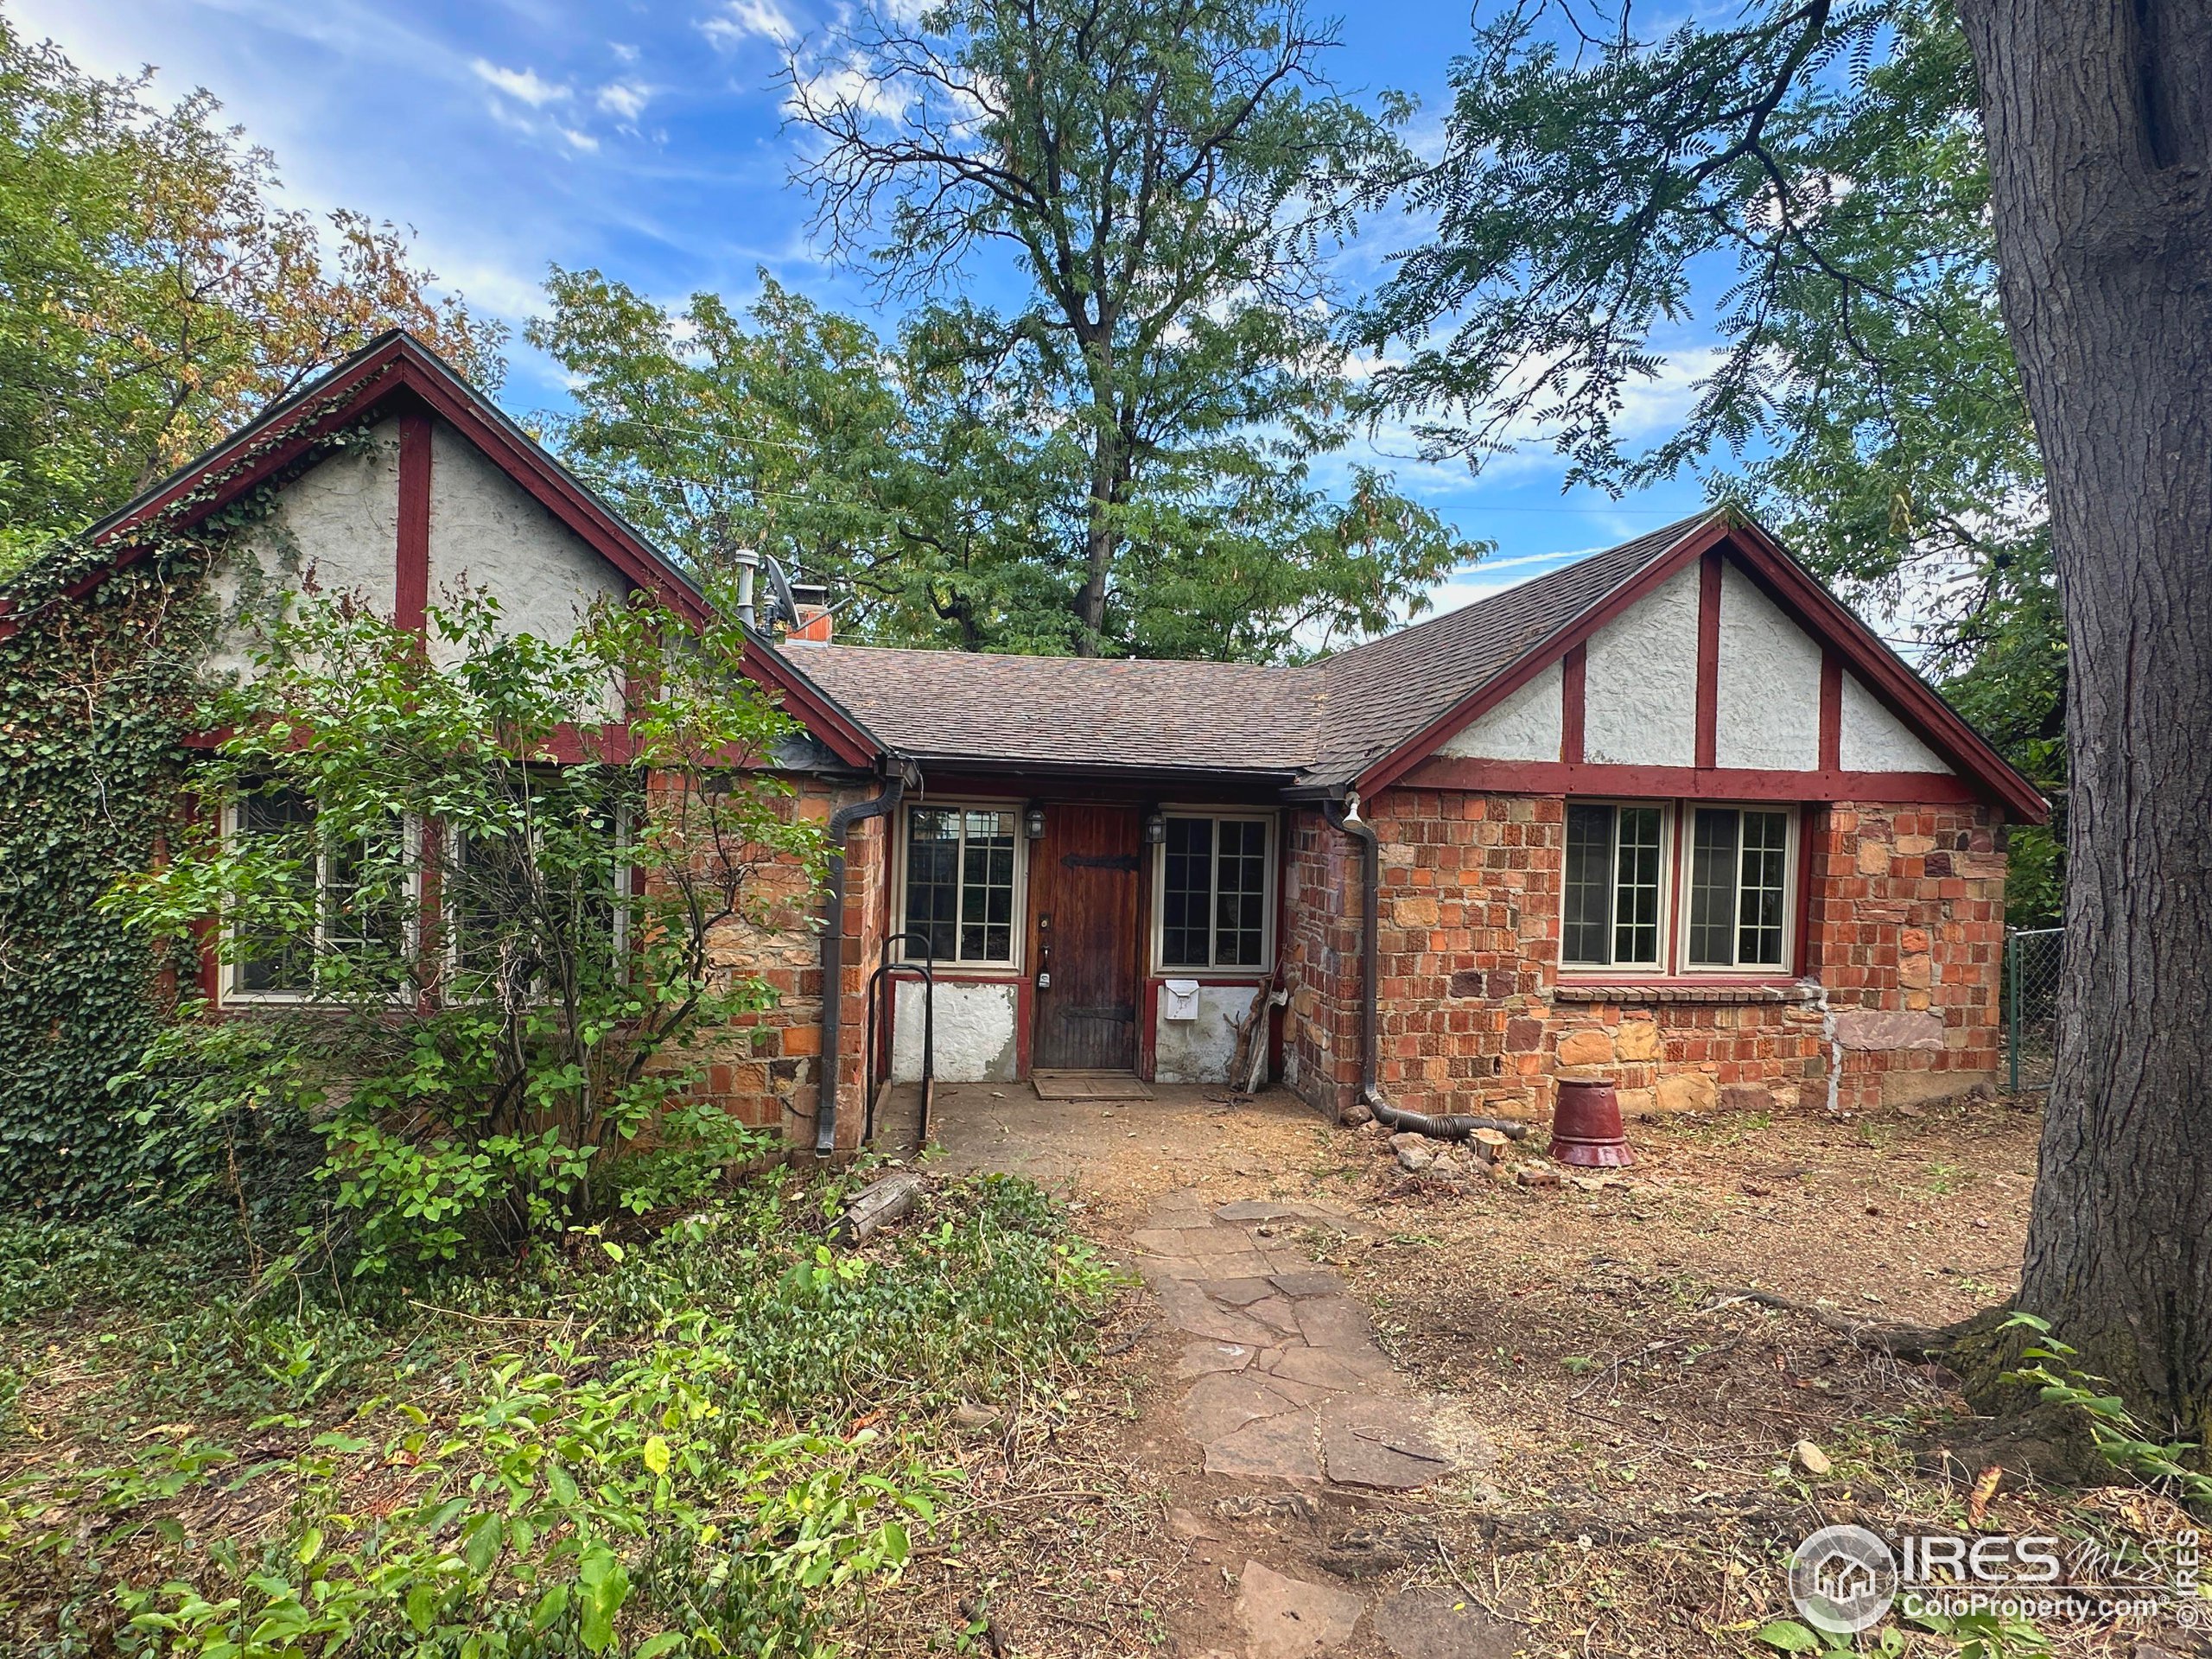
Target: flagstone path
1295,1406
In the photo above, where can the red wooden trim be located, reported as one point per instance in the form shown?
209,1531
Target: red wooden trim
411,584
1413,750
1820,613
1708,660
1802,959
1830,712
1573,678
1689,783
1905,694
569,502
404,364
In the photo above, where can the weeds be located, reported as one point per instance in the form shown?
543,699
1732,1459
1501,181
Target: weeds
712,1439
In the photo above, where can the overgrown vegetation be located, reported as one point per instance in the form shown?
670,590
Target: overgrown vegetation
720,1438
565,939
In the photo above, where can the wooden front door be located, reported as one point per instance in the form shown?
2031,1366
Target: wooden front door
1087,940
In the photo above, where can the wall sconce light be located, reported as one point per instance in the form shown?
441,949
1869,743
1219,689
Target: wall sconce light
1155,827
1032,821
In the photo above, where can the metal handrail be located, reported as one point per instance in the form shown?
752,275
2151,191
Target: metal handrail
878,987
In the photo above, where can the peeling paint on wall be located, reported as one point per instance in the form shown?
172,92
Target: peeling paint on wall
1640,689
1874,740
1526,726
1767,712
1200,1050
974,1034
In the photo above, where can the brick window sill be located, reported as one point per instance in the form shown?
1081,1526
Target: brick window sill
1636,992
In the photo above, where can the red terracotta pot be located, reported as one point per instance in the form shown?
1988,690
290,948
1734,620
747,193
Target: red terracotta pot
1586,1129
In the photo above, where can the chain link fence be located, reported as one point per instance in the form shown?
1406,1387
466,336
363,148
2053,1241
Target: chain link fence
2031,962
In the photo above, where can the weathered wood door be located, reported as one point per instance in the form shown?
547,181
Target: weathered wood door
1087,939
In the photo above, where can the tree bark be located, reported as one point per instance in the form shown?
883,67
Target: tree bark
2097,119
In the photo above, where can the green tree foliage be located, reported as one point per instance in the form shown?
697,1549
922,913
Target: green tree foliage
1821,165
153,296
1169,183
379,836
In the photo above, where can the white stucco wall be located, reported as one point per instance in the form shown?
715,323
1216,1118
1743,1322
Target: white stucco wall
1767,706
1872,738
487,531
1524,727
1199,1050
975,1033
1640,685
336,525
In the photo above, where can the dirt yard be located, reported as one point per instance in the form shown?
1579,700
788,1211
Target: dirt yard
1636,1438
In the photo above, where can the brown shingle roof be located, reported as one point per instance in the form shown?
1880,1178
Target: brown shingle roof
1324,722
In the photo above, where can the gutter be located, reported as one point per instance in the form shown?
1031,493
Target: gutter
1457,1126
833,949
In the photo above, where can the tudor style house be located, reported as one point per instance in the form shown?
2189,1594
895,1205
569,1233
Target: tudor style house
1671,810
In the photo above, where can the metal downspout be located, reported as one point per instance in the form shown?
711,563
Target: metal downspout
833,951
1345,815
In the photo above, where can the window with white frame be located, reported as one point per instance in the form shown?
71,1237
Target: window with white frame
1734,865
959,888
1215,880
342,898
1738,887
1615,862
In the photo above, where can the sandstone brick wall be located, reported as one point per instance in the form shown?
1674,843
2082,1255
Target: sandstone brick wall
1321,958
1903,937
766,1070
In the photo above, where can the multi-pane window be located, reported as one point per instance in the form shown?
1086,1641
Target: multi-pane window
1213,895
959,882
1738,882
507,896
1734,865
1610,914
344,913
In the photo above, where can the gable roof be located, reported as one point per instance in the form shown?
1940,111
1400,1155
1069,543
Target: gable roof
395,366
1359,719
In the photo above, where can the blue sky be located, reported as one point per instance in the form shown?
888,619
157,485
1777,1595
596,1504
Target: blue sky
646,139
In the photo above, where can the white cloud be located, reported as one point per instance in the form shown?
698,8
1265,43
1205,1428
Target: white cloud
624,99
739,21
523,84
583,141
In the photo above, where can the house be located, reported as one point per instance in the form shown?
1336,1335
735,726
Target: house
1671,810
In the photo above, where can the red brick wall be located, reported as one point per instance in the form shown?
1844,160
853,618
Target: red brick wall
1904,933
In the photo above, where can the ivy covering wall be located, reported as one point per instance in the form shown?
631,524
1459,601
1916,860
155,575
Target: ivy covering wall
96,693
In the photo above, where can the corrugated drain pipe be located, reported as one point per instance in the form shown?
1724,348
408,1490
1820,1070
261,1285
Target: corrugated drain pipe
1456,1126
833,950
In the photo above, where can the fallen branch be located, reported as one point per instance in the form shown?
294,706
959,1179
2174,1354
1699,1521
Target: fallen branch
1898,1341
890,1200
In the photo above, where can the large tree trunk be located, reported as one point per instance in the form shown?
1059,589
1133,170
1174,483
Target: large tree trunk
2097,119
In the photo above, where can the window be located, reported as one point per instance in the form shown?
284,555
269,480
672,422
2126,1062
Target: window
1214,874
1611,917
1739,866
343,896
959,882
491,878
1734,865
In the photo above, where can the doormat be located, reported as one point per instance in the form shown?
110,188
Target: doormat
1089,1085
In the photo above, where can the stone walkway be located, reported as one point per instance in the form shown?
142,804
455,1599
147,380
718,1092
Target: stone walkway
1299,1411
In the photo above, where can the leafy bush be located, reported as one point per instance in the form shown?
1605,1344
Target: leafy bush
534,882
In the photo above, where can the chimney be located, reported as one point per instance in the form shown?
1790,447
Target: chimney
815,624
